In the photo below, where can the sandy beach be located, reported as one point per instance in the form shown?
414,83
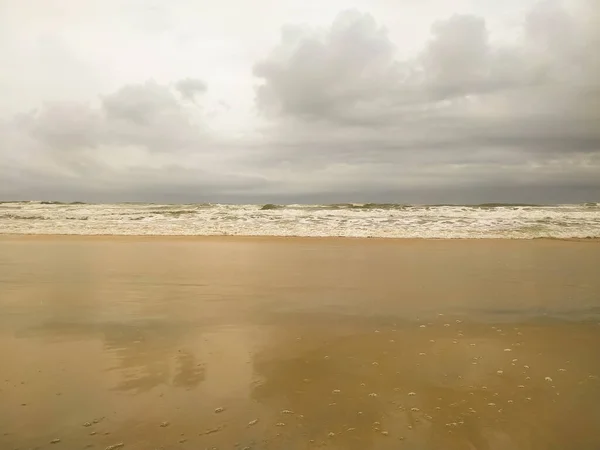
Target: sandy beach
298,343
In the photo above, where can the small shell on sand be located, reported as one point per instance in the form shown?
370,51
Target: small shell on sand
508,349
55,441
548,379
336,391
280,424
115,446
372,394
252,422
219,410
164,424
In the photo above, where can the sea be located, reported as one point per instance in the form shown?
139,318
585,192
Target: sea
492,220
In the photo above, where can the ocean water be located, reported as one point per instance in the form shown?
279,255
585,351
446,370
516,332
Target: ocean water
350,220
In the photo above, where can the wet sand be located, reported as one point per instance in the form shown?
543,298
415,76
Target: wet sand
266,343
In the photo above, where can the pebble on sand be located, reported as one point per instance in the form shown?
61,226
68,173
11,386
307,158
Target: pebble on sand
508,349
412,394
55,441
336,391
548,379
219,410
252,422
164,424
372,394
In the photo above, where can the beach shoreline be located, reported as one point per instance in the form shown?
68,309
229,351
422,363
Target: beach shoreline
267,238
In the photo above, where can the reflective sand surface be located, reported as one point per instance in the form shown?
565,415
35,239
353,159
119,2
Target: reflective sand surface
296,344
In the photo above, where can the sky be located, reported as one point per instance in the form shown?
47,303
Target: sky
300,101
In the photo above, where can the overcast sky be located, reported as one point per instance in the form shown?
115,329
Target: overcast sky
309,101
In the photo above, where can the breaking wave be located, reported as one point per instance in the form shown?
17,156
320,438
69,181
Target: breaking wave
393,220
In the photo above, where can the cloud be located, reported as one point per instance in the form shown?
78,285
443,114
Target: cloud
315,74
463,111
344,116
140,140
148,116
190,87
